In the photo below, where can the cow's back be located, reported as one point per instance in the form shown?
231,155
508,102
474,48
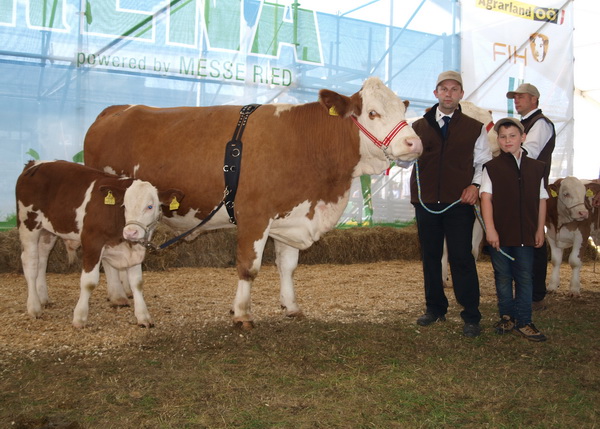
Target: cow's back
68,195
288,153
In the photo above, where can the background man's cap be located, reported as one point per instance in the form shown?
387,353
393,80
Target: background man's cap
450,74
511,121
524,88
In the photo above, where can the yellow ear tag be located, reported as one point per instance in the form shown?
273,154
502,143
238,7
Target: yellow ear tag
109,200
174,204
589,193
553,193
332,111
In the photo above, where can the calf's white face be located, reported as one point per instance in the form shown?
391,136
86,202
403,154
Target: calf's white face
142,211
571,198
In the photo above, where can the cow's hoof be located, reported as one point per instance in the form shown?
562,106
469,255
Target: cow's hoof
146,324
244,325
295,314
79,325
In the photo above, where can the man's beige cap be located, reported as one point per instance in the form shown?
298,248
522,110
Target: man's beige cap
524,88
511,121
450,74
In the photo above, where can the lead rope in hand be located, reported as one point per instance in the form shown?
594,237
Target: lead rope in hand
475,207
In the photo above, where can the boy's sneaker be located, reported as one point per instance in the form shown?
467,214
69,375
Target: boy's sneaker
504,325
530,332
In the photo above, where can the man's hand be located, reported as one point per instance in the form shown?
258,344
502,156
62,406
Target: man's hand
470,195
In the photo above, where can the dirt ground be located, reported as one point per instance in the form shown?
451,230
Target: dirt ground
189,298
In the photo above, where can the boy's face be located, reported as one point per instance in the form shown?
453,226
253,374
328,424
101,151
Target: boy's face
510,139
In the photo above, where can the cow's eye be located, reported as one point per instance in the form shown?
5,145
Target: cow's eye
150,207
373,114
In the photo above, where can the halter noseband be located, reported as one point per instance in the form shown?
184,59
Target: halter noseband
382,144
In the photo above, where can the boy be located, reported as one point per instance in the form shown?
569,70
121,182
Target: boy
513,204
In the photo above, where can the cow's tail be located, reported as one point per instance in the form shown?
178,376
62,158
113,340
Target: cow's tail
72,246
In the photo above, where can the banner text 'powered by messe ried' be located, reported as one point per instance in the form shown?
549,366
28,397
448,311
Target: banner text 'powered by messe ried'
213,36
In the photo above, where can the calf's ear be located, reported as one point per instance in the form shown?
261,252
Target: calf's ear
553,189
113,195
171,198
337,104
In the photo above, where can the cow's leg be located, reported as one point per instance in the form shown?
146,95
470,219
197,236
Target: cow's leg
556,259
286,258
29,260
249,258
45,244
87,283
134,275
575,262
116,292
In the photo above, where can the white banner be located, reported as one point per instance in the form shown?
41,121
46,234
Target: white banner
506,43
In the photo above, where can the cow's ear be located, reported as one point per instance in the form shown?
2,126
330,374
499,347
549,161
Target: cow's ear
171,198
113,194
553,189
336,104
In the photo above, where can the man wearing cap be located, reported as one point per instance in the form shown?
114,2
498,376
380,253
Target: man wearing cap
444,187
539,144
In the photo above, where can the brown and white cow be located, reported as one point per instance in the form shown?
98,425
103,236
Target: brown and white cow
110,216
297,165
569,220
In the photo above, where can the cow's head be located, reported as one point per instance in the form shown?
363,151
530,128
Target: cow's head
570,194
385,135
142,203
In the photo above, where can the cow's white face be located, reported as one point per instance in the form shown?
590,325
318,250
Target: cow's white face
381,112
571,200
142,211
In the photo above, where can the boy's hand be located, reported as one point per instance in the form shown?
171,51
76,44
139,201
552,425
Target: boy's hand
493,239
539,238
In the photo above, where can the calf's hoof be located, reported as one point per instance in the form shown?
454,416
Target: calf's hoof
244,325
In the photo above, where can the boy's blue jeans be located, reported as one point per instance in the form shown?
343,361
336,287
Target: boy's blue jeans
517,304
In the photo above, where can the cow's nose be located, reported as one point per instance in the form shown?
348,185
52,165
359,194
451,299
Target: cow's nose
415,145
131,234
583,214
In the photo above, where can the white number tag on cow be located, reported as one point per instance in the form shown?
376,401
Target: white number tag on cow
109,200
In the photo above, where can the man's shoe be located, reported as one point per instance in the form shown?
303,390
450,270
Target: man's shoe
471,330
538,305
530,332
429,318
504,325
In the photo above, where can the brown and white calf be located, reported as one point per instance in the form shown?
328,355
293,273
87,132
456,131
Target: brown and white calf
110,216
569,219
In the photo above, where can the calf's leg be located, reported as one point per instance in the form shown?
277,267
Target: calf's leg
134,275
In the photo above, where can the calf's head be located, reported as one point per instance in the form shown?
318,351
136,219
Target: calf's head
570,193
143,207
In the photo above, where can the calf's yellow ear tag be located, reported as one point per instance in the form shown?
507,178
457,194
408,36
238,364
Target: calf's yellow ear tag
589,193
174,204
109,200
333,112
553,193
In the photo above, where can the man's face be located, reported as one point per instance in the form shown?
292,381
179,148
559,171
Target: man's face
525,103
449,92
510,138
